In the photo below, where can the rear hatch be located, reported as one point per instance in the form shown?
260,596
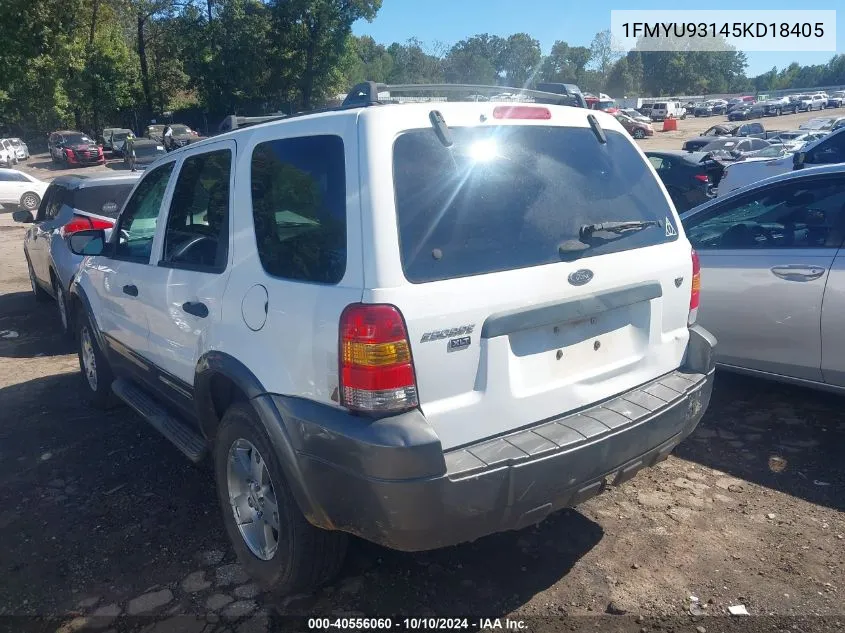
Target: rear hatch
514,316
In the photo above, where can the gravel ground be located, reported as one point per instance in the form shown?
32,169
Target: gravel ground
100,516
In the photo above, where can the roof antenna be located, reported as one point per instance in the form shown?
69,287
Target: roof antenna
440,128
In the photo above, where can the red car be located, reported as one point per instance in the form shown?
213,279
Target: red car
634,128
74,148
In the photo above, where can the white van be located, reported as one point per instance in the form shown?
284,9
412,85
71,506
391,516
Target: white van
665,109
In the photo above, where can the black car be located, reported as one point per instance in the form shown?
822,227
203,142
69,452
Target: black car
703,109
747,111
688,177
155,132
74,148
141,152
177,135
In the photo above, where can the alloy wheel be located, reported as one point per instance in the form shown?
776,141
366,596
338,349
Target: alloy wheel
253,499
89,360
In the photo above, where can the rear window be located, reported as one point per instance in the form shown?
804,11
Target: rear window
104,200
148,150
503,198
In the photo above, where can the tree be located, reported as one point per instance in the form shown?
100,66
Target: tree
520,59
412,64
603,53
477,59
313,37
566,64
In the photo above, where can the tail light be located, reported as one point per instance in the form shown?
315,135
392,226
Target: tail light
521,112
695,294
702,178
376,368
84,223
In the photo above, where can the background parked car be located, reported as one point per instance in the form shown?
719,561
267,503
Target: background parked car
74,148
70,204
827,150
703,109
105,137
635,128
141,152
776,106
20,189
755,130
118,141
155,132
177,135
664,109
646,108
7,157
637,116
718,106
21,149
836,99
746,111
6,144
773,276
731,149
689,178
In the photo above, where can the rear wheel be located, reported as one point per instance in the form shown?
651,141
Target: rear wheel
277,546
61,306
97,375
41,295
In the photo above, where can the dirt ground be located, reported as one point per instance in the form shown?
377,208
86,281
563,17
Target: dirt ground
101,517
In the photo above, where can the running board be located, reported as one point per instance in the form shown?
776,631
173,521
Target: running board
186,440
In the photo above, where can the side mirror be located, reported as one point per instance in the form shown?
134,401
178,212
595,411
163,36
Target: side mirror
88,242
798,159
23,215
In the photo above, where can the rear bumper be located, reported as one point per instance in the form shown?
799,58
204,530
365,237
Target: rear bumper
388,480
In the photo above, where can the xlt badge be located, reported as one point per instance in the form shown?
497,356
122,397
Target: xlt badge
439,335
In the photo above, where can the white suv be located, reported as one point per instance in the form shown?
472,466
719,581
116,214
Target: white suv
416,323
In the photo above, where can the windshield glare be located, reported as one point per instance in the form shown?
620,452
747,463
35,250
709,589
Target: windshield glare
502,198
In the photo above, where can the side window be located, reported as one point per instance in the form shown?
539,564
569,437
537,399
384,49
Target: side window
18,178
658,163
299,208
197,233
757,143
831,150
137,224
803,214
55,203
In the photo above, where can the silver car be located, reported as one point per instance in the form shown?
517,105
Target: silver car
70,204
773,276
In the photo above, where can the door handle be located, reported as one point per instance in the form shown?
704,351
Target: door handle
130,290
798,272
196,308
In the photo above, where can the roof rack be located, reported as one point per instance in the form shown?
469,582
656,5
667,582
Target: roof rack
371,93
234,122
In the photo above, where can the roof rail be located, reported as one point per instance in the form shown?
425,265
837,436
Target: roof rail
234,122
368,93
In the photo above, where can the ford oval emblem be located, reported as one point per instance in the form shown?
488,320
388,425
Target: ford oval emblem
580,277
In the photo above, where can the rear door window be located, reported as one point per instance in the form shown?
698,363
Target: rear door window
105,200
502,198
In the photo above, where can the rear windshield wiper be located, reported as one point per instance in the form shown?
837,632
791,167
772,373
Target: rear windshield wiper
619,228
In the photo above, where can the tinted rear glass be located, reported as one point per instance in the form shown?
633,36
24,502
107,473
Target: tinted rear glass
104,200
503,198
148,150
181,129
659,106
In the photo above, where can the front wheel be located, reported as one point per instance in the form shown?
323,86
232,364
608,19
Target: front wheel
30,201
277,546
61,307
97,375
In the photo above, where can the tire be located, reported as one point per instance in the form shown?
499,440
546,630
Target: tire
639,134
61,307
97,377
41,295
30,201
304,557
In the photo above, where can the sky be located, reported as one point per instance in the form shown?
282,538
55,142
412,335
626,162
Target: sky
573,21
